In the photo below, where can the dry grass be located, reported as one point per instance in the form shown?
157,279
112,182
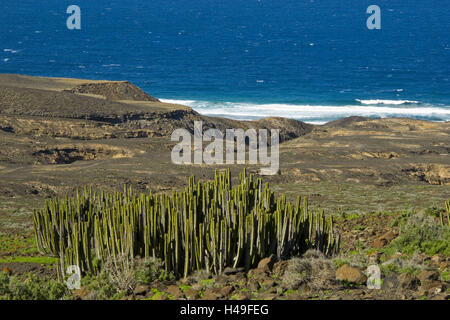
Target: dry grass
313,270
122,270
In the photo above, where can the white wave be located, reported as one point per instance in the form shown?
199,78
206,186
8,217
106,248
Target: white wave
173,101
393,102
311,113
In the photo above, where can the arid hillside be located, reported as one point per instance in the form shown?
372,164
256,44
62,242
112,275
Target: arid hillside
60,134
384,181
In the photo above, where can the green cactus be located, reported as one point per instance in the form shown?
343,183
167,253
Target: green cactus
210,225
447,213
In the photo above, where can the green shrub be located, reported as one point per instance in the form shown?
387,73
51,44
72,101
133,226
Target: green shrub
421,233
102,287
400,219
433,212
389,268
150,270
445,274
118,278
31,287
339,262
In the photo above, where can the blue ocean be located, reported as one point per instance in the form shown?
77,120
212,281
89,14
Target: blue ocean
312,60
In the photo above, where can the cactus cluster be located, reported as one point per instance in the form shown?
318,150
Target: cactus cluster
209,225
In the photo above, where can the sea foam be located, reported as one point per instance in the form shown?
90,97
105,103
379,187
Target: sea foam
393,102
317,113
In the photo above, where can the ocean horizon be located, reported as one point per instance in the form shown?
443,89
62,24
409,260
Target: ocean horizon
314,61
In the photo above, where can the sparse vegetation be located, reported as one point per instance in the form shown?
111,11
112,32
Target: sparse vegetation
31,287
122,270
421,235
30,259
312,270
370,188
421,232
149,270
17,244
101,287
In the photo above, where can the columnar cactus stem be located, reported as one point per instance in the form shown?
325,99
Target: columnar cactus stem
209,225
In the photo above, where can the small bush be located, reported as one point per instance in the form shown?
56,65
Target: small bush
400,219
312,270
339,262
102,287
412,265
31,287
120,275
151,269
445,275
122,271
199,276
433,212
422,233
